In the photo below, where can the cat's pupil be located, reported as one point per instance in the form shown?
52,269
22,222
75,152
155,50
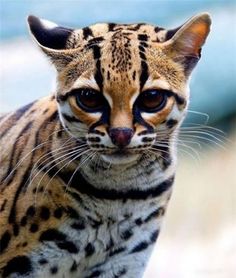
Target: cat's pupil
151,100
89,99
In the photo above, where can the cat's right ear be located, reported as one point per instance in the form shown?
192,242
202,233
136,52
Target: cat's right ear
184,44
52,39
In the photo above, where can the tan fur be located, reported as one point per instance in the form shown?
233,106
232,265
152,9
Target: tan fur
128,56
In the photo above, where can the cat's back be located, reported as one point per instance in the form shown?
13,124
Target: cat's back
17,126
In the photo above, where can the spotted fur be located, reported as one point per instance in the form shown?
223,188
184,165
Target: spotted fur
74,203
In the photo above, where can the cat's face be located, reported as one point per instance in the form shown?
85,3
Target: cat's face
122,88
124,99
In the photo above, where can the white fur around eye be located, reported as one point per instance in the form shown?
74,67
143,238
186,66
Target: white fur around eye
90,83
65,109
156,83
109,99
147,116
82,82
133,99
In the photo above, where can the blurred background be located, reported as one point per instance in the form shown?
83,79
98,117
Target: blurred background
198,238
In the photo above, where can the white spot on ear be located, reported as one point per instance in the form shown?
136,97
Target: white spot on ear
48,24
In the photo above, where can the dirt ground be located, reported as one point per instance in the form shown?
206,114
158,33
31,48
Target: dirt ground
198,239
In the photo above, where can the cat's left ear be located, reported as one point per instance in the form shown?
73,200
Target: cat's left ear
52,39
185,45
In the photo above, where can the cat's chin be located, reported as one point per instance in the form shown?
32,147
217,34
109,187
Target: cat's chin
120,159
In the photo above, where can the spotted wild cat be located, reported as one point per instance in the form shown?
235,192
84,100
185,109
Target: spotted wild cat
86,173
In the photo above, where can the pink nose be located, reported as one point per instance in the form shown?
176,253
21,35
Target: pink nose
121,136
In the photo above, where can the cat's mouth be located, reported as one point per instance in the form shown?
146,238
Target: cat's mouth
120,157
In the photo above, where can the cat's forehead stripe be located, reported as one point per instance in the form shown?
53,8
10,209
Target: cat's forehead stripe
98,74
144,67
122,57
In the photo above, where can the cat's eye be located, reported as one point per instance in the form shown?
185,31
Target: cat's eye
90,99
151,100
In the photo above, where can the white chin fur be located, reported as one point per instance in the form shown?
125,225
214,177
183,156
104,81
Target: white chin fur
119,158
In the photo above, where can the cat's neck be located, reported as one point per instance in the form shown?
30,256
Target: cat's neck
144,173
148,171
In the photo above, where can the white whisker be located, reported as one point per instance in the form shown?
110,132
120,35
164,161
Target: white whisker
58,151
68,154
78,167
24,157
77,155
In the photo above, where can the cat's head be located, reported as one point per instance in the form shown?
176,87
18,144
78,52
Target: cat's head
122,88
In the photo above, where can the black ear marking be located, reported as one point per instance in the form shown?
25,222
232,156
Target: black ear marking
51,36
170,33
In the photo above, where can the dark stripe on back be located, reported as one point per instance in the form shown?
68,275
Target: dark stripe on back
10,122
14,156
12,214
4,241
25,178
51,118
3,205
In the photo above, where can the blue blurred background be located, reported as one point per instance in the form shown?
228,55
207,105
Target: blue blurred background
198,237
